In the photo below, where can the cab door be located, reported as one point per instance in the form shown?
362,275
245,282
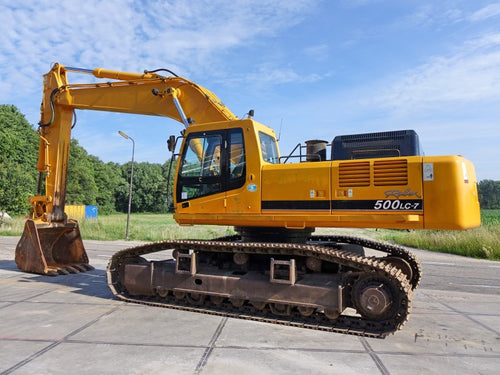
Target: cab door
201,174
212,163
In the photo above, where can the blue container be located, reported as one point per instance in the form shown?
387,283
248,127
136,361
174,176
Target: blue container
90,212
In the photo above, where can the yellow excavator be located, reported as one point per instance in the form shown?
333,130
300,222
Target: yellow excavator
229,172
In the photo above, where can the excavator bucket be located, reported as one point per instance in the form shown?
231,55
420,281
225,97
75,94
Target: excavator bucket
52,249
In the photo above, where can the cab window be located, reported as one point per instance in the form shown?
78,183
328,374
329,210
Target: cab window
211,163
202,157
269,148
236,155
201,167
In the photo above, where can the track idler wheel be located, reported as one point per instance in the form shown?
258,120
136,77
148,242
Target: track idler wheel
281,309
377,297
179,295
217,300
412,271
163,293
402,264
196,299
306,310
237,302
331,314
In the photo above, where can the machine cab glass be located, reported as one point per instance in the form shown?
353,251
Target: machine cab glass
211,163
269,148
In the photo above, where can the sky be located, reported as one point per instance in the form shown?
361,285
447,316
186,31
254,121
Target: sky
311,69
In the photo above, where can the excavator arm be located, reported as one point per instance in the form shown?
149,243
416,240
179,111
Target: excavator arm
51,243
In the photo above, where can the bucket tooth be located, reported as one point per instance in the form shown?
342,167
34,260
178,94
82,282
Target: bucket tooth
71,269
79,267
52,249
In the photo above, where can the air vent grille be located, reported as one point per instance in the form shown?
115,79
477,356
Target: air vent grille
390,172
354,174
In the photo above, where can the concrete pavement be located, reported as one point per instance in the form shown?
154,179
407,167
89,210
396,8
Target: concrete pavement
56,325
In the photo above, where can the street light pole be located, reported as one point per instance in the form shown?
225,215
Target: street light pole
131,179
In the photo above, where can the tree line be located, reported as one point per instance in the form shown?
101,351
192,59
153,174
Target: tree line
90,180
93,182
489,194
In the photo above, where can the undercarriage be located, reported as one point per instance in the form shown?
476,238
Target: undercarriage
326,283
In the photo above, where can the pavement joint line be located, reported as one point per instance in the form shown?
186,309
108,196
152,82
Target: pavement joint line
378,362
159,345
298,349
30,358
27,299
440,355
24,339
468,316
8,303
92,322
135,344
55,302
209,349
440,312
57,343
258,348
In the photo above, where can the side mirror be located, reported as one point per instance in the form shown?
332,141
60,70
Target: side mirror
171,143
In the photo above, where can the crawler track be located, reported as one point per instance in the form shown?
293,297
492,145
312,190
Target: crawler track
390,249
360,269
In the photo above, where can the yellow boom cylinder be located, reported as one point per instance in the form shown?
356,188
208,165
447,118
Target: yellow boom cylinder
114,74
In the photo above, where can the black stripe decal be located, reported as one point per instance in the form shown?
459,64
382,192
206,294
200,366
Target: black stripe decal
378,205
347,205
296,205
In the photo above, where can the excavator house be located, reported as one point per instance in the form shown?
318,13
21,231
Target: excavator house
229,171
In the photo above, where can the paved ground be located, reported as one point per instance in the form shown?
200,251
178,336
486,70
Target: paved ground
72,324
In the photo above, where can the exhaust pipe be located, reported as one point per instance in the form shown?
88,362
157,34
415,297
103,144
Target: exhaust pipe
52,249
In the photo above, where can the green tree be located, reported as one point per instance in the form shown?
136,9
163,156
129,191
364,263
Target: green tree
81,187
489,194
149,188
18,156
109,180
90,181
16,186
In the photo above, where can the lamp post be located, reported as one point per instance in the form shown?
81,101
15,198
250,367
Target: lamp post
131,179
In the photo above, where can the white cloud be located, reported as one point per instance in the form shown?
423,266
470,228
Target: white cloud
269,74
470,74
130,35
317,52
489,11
430,15
358,3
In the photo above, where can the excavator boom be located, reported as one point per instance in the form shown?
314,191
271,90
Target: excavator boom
51,243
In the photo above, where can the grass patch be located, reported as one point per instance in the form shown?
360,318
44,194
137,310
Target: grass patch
12,227
143,227
147,227
482,242
490,217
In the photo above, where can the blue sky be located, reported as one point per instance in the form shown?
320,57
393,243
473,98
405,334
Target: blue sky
318,68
